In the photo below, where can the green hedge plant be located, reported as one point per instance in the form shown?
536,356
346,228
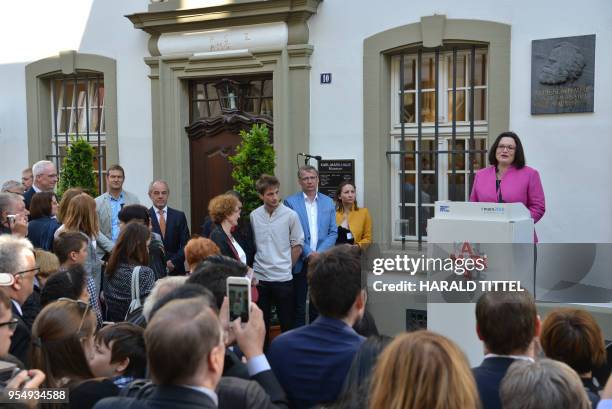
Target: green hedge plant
78,168
254,157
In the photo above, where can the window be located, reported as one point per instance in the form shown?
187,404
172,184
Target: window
447,163
77,103
254,97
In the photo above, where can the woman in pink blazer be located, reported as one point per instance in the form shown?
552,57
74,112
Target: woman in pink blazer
508,180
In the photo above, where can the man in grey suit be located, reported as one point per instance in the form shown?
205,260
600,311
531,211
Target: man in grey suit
108,206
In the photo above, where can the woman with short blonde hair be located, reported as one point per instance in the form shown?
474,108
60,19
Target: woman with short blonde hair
423,370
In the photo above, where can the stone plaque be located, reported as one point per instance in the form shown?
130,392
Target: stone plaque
562,75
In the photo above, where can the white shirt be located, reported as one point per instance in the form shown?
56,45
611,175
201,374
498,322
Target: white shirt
164,210
36,189
518,357
18,307
239,250
311,212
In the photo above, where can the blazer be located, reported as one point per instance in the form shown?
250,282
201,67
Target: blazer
27,196
488,377
41,231
311,362
263,392
20,341
360,224
517,186
177,236
162,397
223,242
103,208
326,223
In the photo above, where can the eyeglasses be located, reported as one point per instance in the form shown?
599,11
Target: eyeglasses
504,147
12,324
37,269
81,303
305,178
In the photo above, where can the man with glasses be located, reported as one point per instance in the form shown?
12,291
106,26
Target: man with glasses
318,217
45,179
17,271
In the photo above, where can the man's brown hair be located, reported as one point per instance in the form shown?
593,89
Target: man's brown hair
116,167
506,321
180,335
266,182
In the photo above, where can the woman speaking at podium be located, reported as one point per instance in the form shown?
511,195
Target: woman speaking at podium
508,179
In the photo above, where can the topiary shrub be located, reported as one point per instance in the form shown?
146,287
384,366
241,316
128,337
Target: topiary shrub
254,157
78,168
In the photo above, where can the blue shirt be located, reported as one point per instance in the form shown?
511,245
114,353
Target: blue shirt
115,205
311,362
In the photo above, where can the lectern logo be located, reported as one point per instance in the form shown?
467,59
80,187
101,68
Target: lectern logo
444,209
492,209
467,250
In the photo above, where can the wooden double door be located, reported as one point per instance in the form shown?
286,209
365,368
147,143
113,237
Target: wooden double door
211,143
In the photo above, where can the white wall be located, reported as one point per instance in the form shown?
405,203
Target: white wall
88,26
571,151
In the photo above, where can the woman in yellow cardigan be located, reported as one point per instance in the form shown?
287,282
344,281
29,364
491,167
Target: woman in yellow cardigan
354,223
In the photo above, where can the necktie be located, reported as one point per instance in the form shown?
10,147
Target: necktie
162,222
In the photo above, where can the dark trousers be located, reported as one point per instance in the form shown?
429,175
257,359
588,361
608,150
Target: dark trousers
300,288
280,295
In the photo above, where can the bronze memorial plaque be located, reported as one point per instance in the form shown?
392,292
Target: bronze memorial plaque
562,75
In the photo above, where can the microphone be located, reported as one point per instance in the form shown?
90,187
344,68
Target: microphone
317,157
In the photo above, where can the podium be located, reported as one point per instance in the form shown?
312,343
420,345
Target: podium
503,234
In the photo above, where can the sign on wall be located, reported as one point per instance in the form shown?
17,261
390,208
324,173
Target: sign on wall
562,75
332,172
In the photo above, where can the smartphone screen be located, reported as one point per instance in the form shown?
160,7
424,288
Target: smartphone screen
239,301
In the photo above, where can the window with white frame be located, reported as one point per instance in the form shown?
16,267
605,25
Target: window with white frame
460,70
77,103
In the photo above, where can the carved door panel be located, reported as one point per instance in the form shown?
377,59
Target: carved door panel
211,142
210,172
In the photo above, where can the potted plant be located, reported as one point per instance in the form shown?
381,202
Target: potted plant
78,168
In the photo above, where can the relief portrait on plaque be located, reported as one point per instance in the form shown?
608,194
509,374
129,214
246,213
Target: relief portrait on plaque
562,75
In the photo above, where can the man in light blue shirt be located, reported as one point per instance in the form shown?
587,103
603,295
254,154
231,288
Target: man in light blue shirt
108,206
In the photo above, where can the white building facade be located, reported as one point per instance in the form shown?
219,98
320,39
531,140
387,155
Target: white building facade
159,62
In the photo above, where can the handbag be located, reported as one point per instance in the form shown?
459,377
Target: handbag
135,304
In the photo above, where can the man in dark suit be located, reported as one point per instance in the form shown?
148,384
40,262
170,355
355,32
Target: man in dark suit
45,179
17,271
185,353
312,361
507,323
171,224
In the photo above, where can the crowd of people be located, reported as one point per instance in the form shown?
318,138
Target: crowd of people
119,305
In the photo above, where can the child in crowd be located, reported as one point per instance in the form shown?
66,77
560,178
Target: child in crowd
119,353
